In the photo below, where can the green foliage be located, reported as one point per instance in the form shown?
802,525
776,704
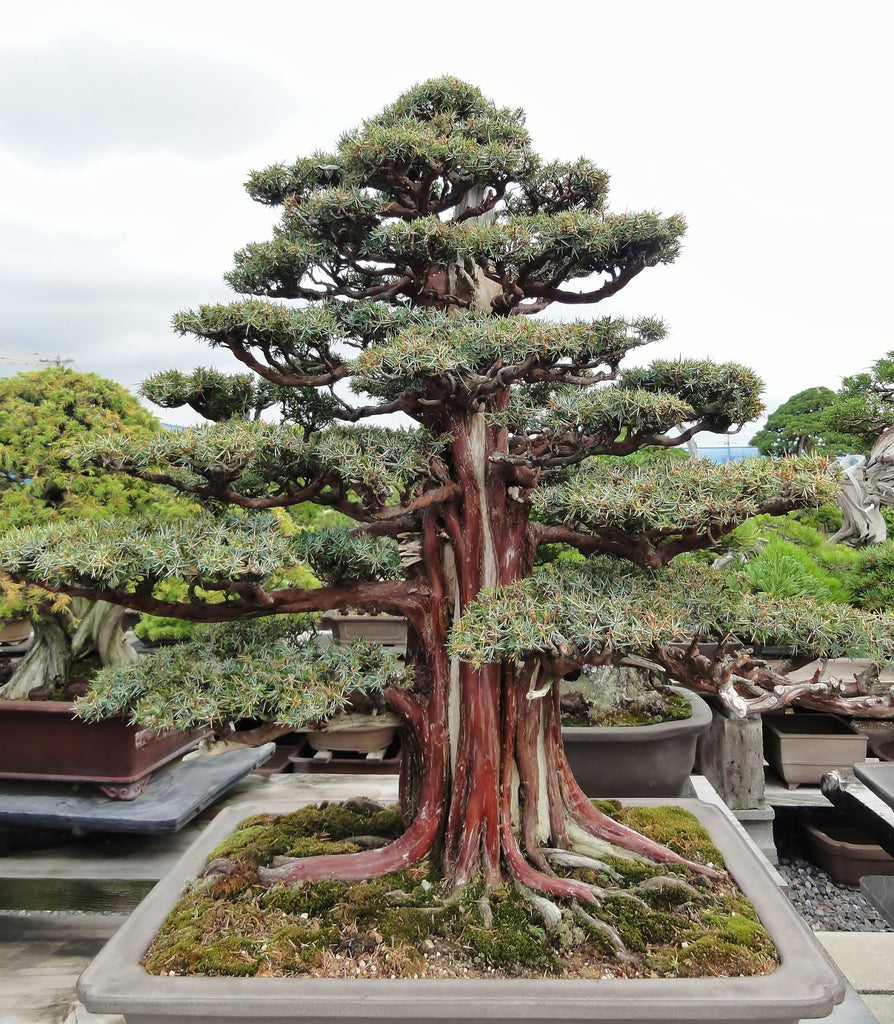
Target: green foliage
336,555
803,424
668,497
783,570
871,583
865,404
409,247
572,608
785,557
43,416
216,396
846,422
273,669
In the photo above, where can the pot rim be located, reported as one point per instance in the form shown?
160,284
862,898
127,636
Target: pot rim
805,984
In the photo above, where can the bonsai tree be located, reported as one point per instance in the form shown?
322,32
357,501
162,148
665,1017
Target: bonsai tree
405,278
42,416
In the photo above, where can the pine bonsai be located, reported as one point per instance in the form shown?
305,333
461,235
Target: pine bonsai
404,278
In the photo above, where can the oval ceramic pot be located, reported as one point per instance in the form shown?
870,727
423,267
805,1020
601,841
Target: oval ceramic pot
805,984
43,740
640,760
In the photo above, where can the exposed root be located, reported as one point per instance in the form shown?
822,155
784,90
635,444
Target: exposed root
601,927
588,845
661,883
411,847
487,914
566,859
551,914
603,827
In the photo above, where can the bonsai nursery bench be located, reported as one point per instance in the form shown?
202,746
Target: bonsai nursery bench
172,797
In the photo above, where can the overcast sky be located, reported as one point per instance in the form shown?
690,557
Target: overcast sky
127,131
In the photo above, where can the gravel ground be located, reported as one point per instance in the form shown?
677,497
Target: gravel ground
826,905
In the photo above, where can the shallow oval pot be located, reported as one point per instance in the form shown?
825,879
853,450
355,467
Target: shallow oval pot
639,760
355,733
806,984
389,630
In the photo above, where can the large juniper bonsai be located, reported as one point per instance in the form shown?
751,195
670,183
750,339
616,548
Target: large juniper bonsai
403,278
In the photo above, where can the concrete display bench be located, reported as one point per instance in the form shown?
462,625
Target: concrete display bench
173,796
731,757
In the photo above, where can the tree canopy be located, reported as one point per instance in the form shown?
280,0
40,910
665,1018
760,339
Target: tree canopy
44,416
844,422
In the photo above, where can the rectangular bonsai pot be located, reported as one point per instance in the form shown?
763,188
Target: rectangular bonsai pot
806,984
390,630
846,851
803,747
43,740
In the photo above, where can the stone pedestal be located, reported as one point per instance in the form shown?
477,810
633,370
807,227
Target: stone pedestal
731,756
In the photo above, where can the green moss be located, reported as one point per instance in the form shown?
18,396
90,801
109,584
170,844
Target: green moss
515,939
677,829
710,955
315,900
401,924
639,926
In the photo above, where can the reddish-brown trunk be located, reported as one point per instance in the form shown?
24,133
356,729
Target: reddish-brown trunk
486,785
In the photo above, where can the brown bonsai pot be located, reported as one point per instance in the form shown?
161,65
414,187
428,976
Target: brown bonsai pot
846,851
802,747
355,733
43,740
348,626
15,631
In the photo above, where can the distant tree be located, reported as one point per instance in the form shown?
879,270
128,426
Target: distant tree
864,405
803,424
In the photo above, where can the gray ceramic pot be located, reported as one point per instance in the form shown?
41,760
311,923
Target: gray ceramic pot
806,984
642,760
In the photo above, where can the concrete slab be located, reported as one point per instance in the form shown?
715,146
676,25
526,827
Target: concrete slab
879,777
173,797
866,958
42,957
881,1007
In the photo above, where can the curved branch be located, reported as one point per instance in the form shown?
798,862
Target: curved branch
395,598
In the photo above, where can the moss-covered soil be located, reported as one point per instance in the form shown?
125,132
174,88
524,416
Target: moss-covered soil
671,922
661,704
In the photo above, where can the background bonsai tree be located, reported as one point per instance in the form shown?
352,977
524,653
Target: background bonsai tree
43,415
804,423
418,253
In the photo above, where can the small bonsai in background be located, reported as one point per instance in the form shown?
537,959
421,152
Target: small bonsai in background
43,415
407,276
